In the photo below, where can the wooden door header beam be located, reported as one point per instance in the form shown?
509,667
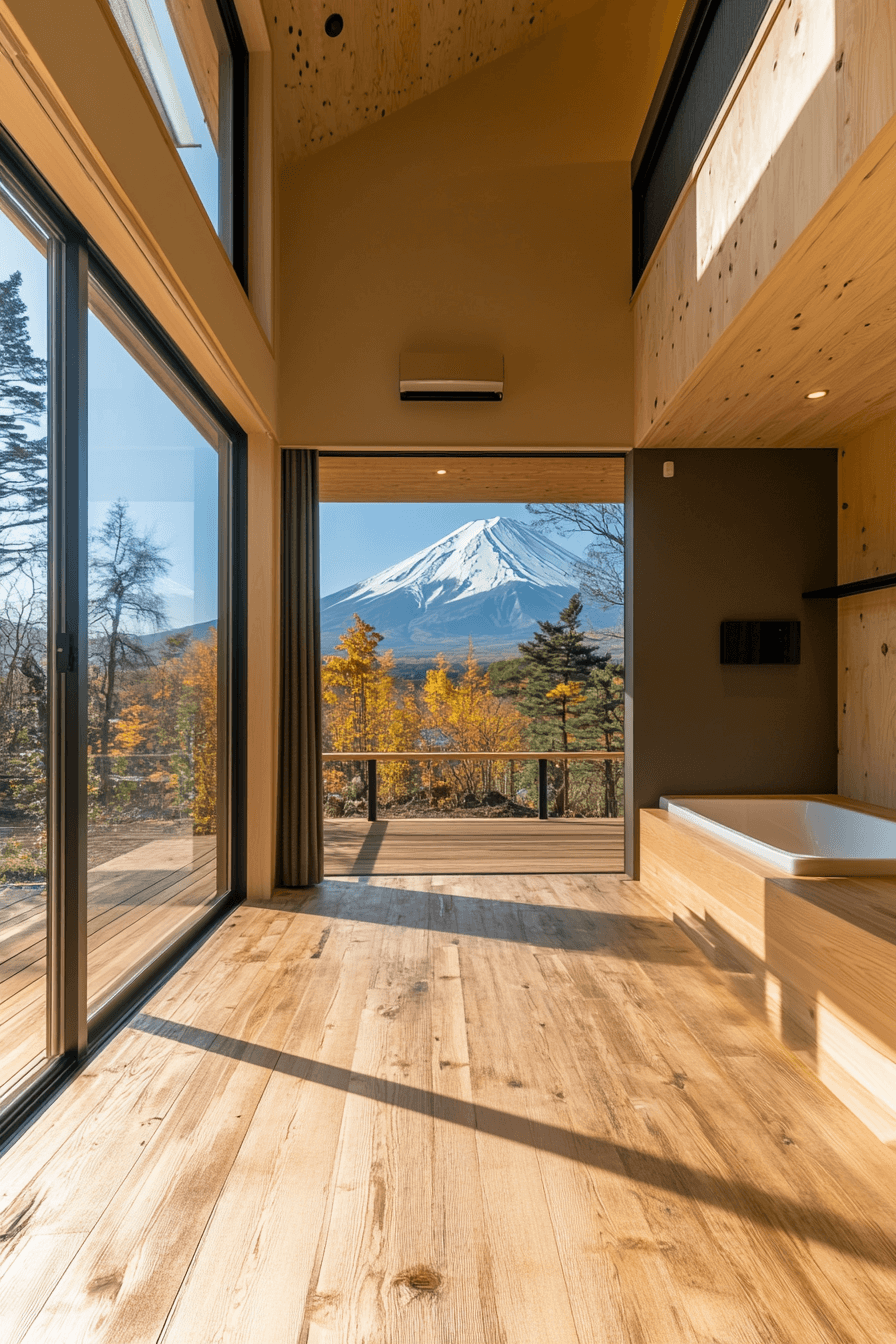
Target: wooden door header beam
457,479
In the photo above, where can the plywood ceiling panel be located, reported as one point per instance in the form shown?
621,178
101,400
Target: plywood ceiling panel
454,479
389,53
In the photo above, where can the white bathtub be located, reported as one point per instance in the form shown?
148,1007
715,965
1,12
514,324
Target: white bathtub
798,835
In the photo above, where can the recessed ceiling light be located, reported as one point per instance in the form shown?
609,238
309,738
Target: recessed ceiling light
441,471
816,396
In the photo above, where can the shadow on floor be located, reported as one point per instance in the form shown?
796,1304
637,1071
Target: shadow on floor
559,927
740,1198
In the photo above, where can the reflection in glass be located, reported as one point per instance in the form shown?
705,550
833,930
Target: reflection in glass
23,642
182,52
153,742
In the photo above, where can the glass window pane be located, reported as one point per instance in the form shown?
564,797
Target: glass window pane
24,708
182,51
153,740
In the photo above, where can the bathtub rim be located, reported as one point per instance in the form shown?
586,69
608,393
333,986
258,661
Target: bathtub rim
782,860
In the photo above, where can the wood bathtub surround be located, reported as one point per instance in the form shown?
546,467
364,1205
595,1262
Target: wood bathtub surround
816,956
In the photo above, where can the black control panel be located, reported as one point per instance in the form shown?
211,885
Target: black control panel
759,642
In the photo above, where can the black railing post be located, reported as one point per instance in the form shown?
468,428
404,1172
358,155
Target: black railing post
371,790
542,788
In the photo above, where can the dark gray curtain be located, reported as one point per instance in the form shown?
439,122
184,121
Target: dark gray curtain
300,838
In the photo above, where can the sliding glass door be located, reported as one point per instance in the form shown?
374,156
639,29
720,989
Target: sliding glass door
26,265
155,466
118,508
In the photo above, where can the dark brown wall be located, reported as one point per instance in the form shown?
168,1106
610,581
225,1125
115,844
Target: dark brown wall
734,534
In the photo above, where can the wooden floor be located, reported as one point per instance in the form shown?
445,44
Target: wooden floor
466,1110
353,847
136,902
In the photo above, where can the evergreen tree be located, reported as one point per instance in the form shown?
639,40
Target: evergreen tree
557,663
23,459
601,720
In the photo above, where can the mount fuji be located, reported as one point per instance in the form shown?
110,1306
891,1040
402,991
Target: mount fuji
491,580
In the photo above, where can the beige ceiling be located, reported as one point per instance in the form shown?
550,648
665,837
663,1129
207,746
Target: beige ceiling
389,53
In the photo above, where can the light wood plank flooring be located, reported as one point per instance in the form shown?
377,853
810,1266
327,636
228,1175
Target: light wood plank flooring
136,902
355,847
466,1110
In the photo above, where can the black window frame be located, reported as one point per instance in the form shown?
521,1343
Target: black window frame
239,141
705,83
71,1040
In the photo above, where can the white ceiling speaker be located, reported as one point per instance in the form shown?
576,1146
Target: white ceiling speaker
472,375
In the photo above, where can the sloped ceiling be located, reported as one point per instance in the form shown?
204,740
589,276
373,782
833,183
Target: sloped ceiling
389,53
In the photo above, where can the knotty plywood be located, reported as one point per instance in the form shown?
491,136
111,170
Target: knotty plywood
606,1142
503,478
867,624
822,952
774,276
387,56
457,845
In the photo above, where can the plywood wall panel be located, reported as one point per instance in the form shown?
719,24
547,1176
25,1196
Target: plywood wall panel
866,68
867,623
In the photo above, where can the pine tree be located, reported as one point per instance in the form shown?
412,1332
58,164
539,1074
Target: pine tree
557,662
601,720
23,459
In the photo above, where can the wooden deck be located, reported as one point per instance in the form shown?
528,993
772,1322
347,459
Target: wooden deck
136,902
353,847
421,1111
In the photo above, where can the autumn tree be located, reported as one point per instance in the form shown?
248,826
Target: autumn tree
364,708
466,712
198,715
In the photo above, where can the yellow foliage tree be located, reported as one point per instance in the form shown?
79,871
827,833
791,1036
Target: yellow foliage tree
364,709
468,716
199,666
130,730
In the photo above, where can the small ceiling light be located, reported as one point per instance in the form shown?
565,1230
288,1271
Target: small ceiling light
333,25
441,471
816,396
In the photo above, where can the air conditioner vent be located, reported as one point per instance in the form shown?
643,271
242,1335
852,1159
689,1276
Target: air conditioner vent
473,375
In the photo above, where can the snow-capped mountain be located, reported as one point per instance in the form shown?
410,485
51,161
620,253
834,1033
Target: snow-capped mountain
493,579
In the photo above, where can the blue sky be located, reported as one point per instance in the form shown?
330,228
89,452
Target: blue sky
357,540
144,450
141,448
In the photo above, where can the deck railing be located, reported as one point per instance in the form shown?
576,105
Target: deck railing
542,757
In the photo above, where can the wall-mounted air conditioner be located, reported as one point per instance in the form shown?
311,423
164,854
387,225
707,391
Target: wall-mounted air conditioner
474,375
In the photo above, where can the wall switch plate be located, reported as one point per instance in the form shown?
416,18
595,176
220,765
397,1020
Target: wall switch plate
668,468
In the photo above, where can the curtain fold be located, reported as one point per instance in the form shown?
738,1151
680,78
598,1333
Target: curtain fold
300,834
